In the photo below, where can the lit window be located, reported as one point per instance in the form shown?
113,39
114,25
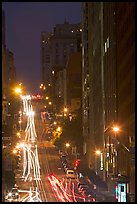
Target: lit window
105,47
107,42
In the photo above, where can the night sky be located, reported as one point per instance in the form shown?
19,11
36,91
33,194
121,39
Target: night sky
24,23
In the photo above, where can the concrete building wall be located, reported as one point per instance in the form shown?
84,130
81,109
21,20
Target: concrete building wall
56,47
11,70
108,84
125,35
74,82
45,57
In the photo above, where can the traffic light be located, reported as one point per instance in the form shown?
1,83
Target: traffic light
77,162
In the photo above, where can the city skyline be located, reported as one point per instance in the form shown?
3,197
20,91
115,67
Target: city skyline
19,21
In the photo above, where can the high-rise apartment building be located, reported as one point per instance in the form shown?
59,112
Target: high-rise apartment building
92,81
125,63
45,57
11,77
108,87
74,82
56,48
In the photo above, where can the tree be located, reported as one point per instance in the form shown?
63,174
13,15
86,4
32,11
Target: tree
72,132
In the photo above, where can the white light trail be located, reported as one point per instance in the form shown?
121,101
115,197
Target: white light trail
31,197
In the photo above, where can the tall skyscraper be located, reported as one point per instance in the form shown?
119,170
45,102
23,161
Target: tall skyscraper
108,87
55,50
56,47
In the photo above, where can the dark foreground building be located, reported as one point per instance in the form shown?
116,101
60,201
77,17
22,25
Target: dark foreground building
108,87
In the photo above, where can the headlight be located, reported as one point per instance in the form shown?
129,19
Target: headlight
10,194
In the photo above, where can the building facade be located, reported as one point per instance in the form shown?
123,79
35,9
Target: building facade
56,48
125,36
74,82
108,91
45,57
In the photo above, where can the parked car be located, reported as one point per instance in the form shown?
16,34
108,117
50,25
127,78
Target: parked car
79,184
63,157
83,187
90,198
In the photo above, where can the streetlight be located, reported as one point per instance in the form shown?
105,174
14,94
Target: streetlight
58,128
97,154
18,134
67,145
18,90
116,129
68,148
114,151
65,110
20,124
14,151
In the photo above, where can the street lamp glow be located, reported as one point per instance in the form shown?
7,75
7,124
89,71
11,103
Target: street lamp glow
67,145
50,103
18,133
65,110
14,151
55,123
59,129
116,129
47,97
9,194
98,152
18,90
17,146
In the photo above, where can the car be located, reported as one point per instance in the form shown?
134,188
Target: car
60,152
83,187
70,174
90,198
68,168
63,157
79,184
